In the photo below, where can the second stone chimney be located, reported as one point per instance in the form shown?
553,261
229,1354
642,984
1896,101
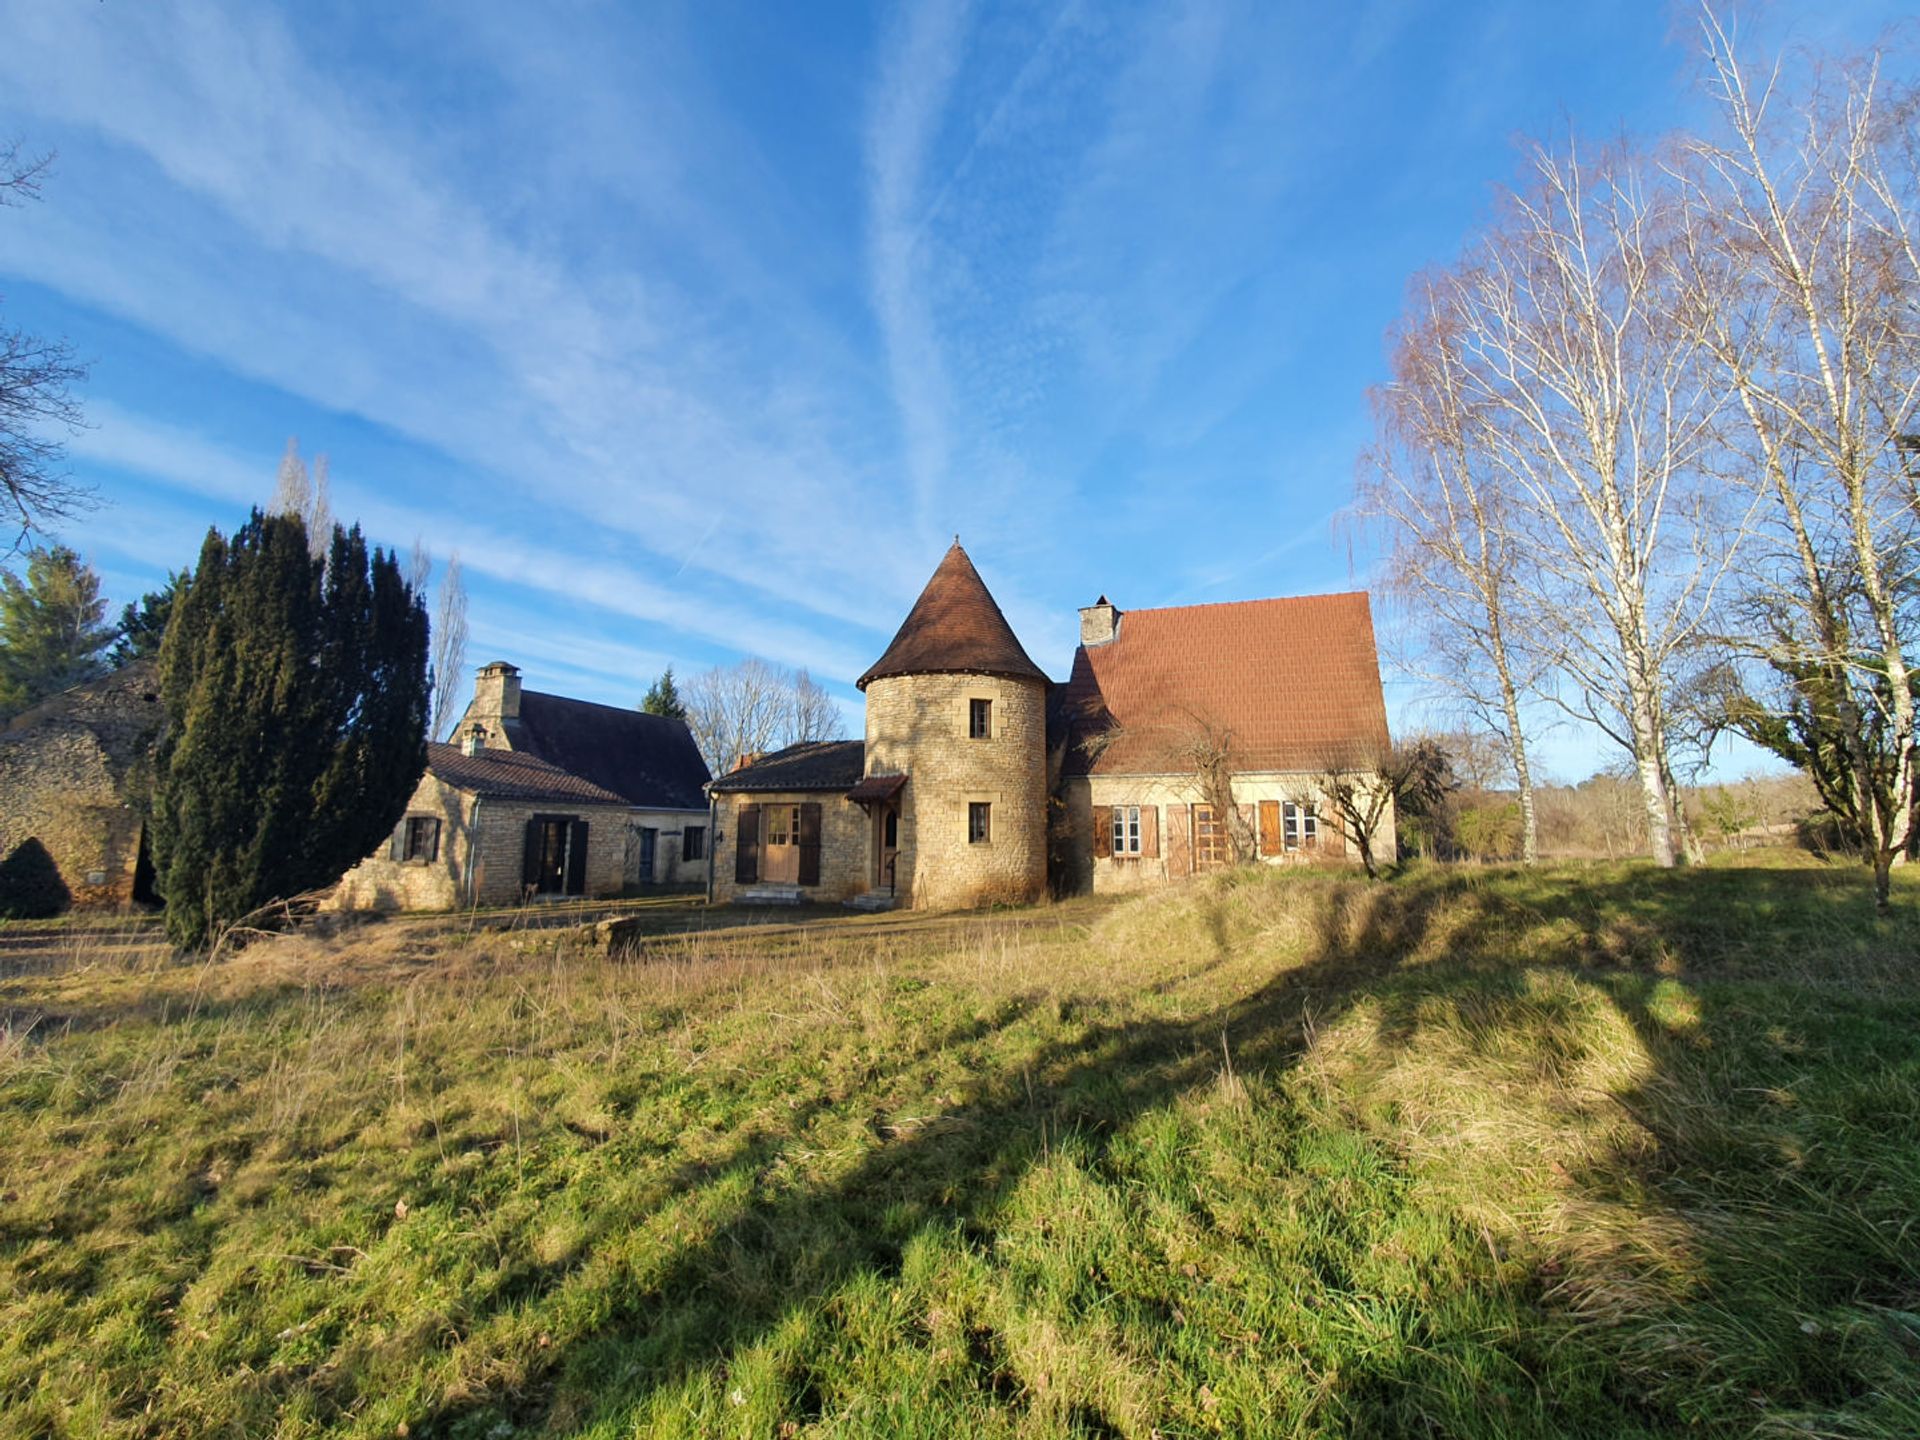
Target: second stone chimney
496,700
1099,622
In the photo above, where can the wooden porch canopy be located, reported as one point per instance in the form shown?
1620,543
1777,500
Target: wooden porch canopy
876,789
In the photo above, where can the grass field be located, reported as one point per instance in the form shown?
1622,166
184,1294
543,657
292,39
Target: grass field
1585,1152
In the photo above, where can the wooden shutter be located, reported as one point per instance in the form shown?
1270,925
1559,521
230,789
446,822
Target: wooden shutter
1333,836
1102,832
1270,841
810,843
577,858
1149,832
433,841
746,846
1247,823
397,850
530,862
1179,841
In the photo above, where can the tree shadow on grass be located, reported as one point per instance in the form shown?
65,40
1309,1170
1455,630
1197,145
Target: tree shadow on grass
791,1249
1668,952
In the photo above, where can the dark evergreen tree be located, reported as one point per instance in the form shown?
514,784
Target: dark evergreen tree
664,699
51,633
295,691
143,624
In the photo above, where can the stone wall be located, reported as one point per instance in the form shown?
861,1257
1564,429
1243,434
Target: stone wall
74,775
670,864
846,865
495,837
1170,796
917,725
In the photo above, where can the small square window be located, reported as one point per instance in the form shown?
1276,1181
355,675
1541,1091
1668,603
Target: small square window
423,839
693,843
979,823
980,719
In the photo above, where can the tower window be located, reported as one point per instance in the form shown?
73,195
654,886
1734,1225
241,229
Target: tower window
979,823
980,719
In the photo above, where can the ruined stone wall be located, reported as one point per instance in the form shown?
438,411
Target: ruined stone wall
917,725
74,775
846,865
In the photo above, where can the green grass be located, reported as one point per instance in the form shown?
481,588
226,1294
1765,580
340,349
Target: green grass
1586,1152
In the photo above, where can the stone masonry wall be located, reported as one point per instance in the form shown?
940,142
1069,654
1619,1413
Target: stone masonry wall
1161,791
845,834
73,775
917,725
497,842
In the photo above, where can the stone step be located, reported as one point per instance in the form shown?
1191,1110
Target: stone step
873,900
769,895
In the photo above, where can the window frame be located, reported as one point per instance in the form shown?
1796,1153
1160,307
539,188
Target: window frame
979,822
1299,827
1211,850
979,718
1126,832
693,842
427,854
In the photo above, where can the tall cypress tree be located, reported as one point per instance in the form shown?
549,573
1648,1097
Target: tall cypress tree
295,692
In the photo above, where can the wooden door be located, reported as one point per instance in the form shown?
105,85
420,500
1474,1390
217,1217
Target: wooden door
550,864
886,850
780,844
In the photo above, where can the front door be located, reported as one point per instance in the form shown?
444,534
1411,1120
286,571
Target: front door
649,842
886,849
552,863
780,844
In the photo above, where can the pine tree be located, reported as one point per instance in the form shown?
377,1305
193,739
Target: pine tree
664,699
143,624
51,633
295,693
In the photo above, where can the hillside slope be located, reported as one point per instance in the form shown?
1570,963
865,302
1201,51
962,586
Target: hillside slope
1597,1152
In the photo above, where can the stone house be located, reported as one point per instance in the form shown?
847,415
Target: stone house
544,797
74,776
1279,692
494,827
974,765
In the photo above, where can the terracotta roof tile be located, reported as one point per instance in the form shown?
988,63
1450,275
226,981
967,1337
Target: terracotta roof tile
813,765
955,626
514,775
1293,683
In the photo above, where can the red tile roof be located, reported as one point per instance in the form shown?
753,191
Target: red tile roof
954,627
1292,684
514,775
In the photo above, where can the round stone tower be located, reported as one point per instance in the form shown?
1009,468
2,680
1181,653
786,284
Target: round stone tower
957,707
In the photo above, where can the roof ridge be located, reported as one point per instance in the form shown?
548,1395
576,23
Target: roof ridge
596,704
1366,595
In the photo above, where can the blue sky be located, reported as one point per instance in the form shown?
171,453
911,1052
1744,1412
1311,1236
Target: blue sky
699,330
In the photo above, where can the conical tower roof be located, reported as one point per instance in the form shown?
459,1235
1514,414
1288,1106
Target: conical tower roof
954,627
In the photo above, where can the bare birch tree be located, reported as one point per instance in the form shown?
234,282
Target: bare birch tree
1453,559
449,648
1593,406
305,494
1803,238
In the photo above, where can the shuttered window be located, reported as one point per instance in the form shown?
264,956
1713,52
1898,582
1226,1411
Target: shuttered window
1209,838
422,840
693,843
1126,829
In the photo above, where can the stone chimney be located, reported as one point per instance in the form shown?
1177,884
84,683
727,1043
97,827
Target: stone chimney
496,700
1099,622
